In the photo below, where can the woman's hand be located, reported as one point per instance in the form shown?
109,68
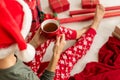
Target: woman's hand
59,45
57,50
38,38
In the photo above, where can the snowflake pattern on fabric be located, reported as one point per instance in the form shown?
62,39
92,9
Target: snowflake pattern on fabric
71,55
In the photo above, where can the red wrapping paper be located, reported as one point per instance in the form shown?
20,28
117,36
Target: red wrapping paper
35,16
32,4
59,5
39,5
85,11
89,3
87,17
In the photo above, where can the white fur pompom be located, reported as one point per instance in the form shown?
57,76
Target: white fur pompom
26,55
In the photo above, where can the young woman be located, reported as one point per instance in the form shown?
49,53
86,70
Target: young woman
70,56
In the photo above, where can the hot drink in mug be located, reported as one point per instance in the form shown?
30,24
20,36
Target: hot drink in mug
50,28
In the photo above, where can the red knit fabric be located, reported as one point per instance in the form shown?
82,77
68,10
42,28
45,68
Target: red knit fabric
108,66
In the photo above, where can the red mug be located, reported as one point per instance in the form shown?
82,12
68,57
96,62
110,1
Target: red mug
50,28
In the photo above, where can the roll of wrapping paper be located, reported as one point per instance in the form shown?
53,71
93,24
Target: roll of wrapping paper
85,11
87,17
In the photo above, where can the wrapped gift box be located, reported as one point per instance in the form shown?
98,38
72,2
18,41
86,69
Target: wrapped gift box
59,5
89,3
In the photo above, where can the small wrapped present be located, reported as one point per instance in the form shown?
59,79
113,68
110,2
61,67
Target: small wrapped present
89,3
59,5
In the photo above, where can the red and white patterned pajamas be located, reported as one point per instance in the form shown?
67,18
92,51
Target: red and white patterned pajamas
69,57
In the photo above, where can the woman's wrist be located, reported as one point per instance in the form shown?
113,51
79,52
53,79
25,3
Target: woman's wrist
33,43
52,65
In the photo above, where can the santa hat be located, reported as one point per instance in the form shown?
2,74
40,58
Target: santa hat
15,23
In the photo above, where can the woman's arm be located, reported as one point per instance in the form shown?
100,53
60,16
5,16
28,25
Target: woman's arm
57,50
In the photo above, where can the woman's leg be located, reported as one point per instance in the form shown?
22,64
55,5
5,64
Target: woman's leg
99,13
70,56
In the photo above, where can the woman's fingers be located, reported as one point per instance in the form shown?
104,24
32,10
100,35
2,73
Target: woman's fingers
62,40
57,40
